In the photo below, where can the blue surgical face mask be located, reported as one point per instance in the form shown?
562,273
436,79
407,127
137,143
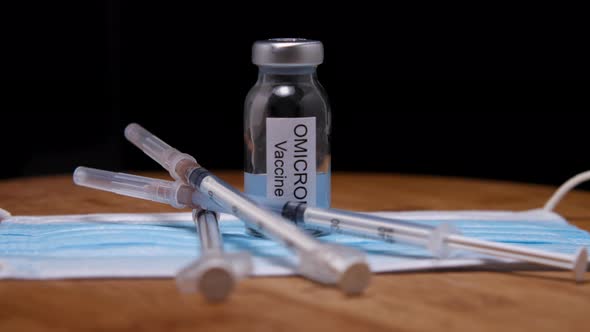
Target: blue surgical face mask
158,245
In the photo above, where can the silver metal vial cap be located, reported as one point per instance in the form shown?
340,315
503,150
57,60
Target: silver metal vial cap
287,52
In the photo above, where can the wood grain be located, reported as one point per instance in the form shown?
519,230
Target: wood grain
447,300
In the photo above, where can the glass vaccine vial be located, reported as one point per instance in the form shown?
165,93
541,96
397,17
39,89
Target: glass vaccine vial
287,125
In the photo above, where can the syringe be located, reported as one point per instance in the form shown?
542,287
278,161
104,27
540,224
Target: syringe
215,272
325,263
439,240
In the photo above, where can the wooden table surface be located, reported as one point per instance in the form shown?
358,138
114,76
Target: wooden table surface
447,300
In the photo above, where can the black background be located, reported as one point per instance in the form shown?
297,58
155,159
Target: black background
493,92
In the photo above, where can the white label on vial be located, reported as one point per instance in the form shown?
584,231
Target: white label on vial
291,159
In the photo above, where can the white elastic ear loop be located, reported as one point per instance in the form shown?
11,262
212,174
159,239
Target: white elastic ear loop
564,189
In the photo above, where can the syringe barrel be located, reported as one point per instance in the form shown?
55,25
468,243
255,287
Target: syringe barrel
273,205
174,161
248,211
157,190
384,228
208,229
